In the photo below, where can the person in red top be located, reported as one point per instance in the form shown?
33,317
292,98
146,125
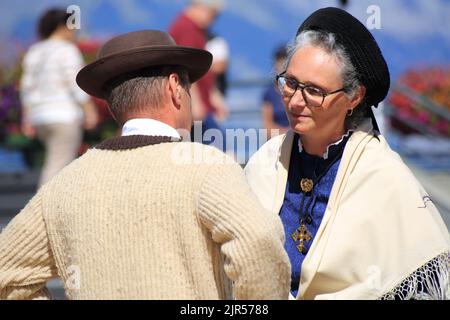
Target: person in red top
190,29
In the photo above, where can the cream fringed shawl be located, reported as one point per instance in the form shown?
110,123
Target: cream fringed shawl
381,236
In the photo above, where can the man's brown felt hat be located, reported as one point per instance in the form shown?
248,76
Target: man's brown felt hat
136,50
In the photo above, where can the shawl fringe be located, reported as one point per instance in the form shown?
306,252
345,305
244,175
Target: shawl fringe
429,282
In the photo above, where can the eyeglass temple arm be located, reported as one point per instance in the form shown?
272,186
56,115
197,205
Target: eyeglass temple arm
328,93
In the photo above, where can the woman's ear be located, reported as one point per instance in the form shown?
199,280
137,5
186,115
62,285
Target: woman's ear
358,97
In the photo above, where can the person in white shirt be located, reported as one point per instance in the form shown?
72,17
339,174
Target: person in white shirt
218,47
54,107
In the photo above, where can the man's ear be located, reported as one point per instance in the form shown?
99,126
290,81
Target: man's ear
174,88
358,97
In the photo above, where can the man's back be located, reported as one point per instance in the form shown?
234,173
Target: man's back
136,218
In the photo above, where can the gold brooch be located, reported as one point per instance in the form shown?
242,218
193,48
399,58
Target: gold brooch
306,185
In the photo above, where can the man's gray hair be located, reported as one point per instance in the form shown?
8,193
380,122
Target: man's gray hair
327,42
140,90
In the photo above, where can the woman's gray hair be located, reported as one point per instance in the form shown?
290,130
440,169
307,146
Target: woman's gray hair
327,42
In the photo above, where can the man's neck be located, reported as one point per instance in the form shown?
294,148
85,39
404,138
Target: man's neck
167,120
148,126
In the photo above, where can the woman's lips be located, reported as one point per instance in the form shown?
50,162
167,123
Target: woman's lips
295,115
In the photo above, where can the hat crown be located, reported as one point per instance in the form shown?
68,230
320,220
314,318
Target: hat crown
133,40
140,50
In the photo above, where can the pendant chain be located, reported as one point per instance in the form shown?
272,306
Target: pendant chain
307,186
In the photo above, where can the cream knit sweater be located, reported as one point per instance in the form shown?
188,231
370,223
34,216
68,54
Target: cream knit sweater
140,219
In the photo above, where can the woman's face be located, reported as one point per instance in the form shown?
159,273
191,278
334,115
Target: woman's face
313,66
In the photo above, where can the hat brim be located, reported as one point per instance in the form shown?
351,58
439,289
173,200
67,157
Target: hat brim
93,77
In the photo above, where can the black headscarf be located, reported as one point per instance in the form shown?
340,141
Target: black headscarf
361,47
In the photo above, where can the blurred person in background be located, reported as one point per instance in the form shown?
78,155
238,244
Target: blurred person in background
190,29
273,113
343,4
54,107
220,51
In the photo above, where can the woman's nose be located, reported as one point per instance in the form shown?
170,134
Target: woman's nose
297,99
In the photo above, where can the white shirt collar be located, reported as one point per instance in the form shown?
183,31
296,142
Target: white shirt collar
148,127
325,155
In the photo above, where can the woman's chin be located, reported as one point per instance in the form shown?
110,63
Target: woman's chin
301,128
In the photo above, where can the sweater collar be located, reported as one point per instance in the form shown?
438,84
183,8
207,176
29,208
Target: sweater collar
133,142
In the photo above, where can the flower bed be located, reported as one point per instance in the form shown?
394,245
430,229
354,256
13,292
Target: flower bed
422,97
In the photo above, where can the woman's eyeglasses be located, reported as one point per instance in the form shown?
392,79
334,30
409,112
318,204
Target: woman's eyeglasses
313,96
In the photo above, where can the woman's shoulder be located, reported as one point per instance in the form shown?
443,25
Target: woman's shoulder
52,49
275,142
380,160
270,149
67,48
378,150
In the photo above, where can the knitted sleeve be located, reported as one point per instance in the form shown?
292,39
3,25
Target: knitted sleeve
26,260
251,238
